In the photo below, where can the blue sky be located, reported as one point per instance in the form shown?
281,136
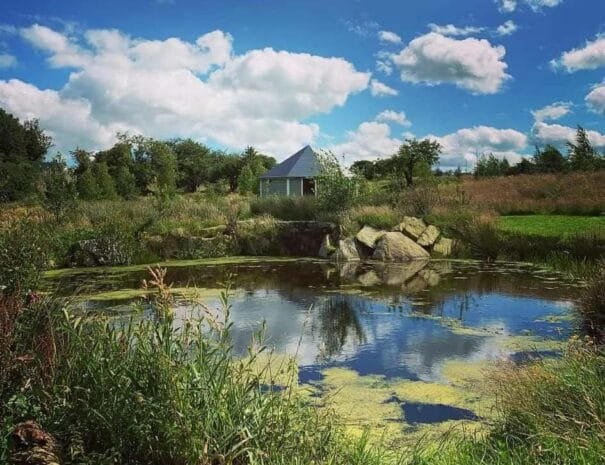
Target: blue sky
355,77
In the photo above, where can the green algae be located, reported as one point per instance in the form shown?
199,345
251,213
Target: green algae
235,260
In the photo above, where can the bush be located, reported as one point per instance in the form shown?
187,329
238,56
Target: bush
286,208
592,306
379,217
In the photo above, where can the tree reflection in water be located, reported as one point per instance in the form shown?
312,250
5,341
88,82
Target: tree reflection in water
338,319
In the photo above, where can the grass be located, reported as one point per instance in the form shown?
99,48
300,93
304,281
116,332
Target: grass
553,225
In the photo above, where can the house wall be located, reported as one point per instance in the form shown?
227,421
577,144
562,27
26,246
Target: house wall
279,186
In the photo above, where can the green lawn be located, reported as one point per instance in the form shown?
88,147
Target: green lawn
553,225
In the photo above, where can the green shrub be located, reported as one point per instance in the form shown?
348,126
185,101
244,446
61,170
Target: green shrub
592,306
286,208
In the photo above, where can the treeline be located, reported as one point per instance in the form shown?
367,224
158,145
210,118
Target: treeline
581,156
417,159
133,166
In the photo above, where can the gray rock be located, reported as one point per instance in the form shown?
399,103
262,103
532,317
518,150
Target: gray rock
394,246
428,236
412,227
103,251
369,279
326,248
346,250
431,277
396,274
369,236
443,247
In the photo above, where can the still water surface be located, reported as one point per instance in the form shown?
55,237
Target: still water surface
391,323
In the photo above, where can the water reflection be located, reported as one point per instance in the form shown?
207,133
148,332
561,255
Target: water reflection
393,320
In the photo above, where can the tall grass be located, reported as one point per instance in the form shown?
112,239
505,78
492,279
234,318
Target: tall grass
551,412
165,390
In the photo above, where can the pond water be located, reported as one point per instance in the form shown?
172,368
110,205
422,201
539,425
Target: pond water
398,347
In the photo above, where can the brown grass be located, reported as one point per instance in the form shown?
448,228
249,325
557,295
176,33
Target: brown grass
569,193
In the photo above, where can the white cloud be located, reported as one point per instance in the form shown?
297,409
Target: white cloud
552,112
389,36
466,145
379,89
392,116
175,88
361,28
370,140
7,60
506,6
471,64
591,56
537,5
7,29
506,29
451,30
558,135
383,62
596,99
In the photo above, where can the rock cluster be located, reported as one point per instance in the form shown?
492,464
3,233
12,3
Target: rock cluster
412,239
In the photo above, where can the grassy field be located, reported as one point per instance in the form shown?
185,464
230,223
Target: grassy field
553,225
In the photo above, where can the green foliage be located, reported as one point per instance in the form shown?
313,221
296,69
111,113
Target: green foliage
194,163
22,150
286,208
336,191
592,305
549,160
22,258
582,155
490,166
59,189
104,182
415,157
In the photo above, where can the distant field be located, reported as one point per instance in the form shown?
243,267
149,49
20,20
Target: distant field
553,225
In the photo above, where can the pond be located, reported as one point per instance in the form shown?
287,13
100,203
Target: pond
400,348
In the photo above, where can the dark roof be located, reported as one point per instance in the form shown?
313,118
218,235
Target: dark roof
303,164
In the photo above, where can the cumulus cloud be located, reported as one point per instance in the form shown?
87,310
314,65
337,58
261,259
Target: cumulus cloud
552,112
7,60
451,30
389,36
506,6
379,89
392,116
559,135
371,140
506,29
175,88
472,64
596,99
466,145
590,56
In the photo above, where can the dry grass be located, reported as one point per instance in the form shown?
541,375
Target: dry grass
570,193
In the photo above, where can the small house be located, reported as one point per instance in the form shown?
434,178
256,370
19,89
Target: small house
293,177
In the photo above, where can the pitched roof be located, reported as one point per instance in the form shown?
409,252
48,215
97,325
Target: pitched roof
303,164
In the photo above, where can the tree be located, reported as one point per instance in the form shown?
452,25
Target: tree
365,168
22,150
582,155
253,165
120,164
104,181
549,160
194,163
412,154
336,191
491,166
163,162
59,188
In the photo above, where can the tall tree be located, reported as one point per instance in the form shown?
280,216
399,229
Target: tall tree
582,155
59,188
22,150
411,154
163,162
105,184
194,164
549,160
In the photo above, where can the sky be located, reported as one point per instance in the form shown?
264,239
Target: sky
355,77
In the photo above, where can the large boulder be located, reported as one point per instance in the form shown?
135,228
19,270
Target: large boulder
394,246
443,247
346,250
368,236
428,236
103,251
412,227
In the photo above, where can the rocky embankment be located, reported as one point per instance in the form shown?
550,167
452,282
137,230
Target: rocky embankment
412,239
